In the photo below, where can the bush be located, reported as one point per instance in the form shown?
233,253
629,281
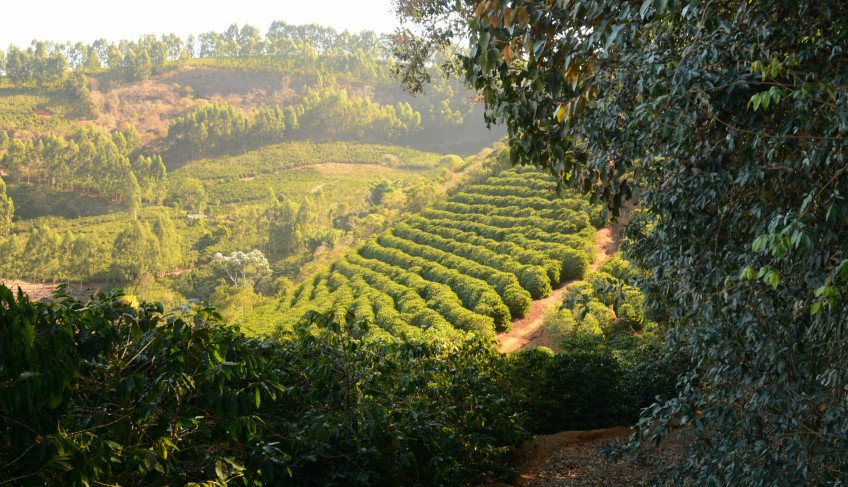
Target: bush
592,383
110,393
600,312
517,300
535,281
574,265
453,162
530,372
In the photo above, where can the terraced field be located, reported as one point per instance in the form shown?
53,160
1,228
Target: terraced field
472,263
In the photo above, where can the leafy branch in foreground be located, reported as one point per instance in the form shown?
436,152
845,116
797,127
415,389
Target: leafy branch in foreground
104,392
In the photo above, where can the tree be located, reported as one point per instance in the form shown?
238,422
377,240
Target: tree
190,194
159,175
7,209
170,243
729,121
142,68
242,268
42,249
16,157
12,249
84,257
18,66
132,195
285,235
135,252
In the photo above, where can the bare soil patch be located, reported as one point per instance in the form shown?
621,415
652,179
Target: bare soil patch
37,291
577,458
531,328
151,105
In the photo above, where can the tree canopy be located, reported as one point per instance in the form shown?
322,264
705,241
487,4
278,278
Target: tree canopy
728,122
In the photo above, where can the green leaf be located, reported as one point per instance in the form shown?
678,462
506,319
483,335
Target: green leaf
220,470
643,10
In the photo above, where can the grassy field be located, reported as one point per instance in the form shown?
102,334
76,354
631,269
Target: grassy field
342,169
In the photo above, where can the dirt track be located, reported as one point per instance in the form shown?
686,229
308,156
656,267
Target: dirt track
576,458
529,331
37,291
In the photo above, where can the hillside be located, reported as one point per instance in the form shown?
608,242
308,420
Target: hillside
284,144
473,262
237,196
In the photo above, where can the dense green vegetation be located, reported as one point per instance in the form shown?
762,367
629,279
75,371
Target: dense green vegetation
89,161
322,208
289,208
80,153
325,113
463,264
116,391
605,305
106,392
726,120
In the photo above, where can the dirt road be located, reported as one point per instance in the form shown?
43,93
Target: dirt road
529,331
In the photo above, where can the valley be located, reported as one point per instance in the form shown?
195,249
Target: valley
523,243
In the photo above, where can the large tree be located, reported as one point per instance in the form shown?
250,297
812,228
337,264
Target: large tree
729,120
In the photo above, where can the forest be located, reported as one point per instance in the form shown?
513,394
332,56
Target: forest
584,242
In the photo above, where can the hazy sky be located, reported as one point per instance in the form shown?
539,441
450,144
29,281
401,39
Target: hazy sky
22,21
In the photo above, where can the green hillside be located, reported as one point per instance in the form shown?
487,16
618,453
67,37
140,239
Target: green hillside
335,195
473,262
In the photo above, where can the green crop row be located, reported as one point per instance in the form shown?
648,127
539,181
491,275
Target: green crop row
473,263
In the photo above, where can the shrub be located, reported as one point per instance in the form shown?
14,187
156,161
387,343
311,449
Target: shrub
535,281
574,265
560,323
600,312
530,374
453,162
110,393
517,300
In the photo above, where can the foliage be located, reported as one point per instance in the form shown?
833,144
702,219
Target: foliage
607,304
244,268
7,209
83,249
91,161
591,383
105,392
729,119
454,265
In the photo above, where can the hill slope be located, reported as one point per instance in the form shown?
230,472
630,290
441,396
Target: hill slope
473,263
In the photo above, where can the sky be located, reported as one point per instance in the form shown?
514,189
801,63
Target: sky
22,21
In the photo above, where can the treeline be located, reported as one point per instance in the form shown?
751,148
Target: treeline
330,71
324,113
465,270
7,209
303,48
89,160
46,63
